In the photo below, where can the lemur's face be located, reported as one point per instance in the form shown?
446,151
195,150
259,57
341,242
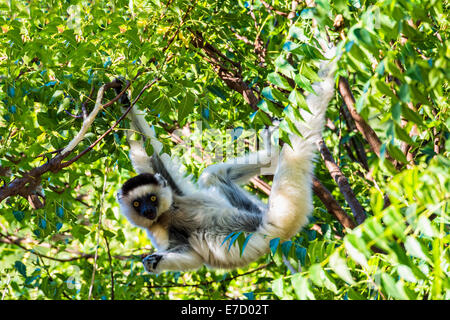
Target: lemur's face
144,198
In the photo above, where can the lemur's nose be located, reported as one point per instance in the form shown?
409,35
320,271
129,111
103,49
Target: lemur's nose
148,211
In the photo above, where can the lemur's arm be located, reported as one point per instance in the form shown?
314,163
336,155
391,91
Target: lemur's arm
159,162
178,258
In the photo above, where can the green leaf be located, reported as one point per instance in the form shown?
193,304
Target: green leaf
414,73
411,115
234,238
286,248
321,278
396,110
395,222
310,73
304,83
365,38
300,253
292,127
264,118
416,249
396,153
308,51
278,287
21,268
244,244
353,246
284,67
298,100
121,236
57,93
217,92
339,266
401,134
392,288
79,232
148,147
353,295
302,287
186,106
385,89
19,215
279,96
264,106
404,93
275,79
274,245
406,273
109,234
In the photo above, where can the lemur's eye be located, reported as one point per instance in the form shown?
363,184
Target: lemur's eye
136,204
153,198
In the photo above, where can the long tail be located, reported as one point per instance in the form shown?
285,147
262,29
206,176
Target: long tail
290,202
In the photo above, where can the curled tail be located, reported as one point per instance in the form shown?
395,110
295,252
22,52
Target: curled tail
290,202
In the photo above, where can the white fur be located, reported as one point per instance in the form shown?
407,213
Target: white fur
140,159
290,202
165,200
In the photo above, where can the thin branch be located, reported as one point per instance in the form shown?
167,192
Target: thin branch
361,124
292,14
258,44
23,242
240,37
99,227
110,266
89,148
357,146
272,9
84,104
332,205
8,239
230,75
183,20
209,283
342,182
261,185
28,183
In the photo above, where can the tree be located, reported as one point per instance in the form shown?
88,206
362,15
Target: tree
381,220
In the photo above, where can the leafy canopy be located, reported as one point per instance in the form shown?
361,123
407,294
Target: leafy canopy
226,65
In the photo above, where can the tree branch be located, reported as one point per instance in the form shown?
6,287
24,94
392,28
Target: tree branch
68,163
30,181
361,124
272,9
357,146
231,76
23,242
342,182
332,205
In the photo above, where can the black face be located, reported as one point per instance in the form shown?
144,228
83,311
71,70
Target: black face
146,206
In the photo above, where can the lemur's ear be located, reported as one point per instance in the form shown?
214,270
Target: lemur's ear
161,180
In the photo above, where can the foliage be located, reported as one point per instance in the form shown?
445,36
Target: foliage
395,56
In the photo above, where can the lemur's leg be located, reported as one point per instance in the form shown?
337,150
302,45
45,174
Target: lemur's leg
240,170
227,176
178,258
238,197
